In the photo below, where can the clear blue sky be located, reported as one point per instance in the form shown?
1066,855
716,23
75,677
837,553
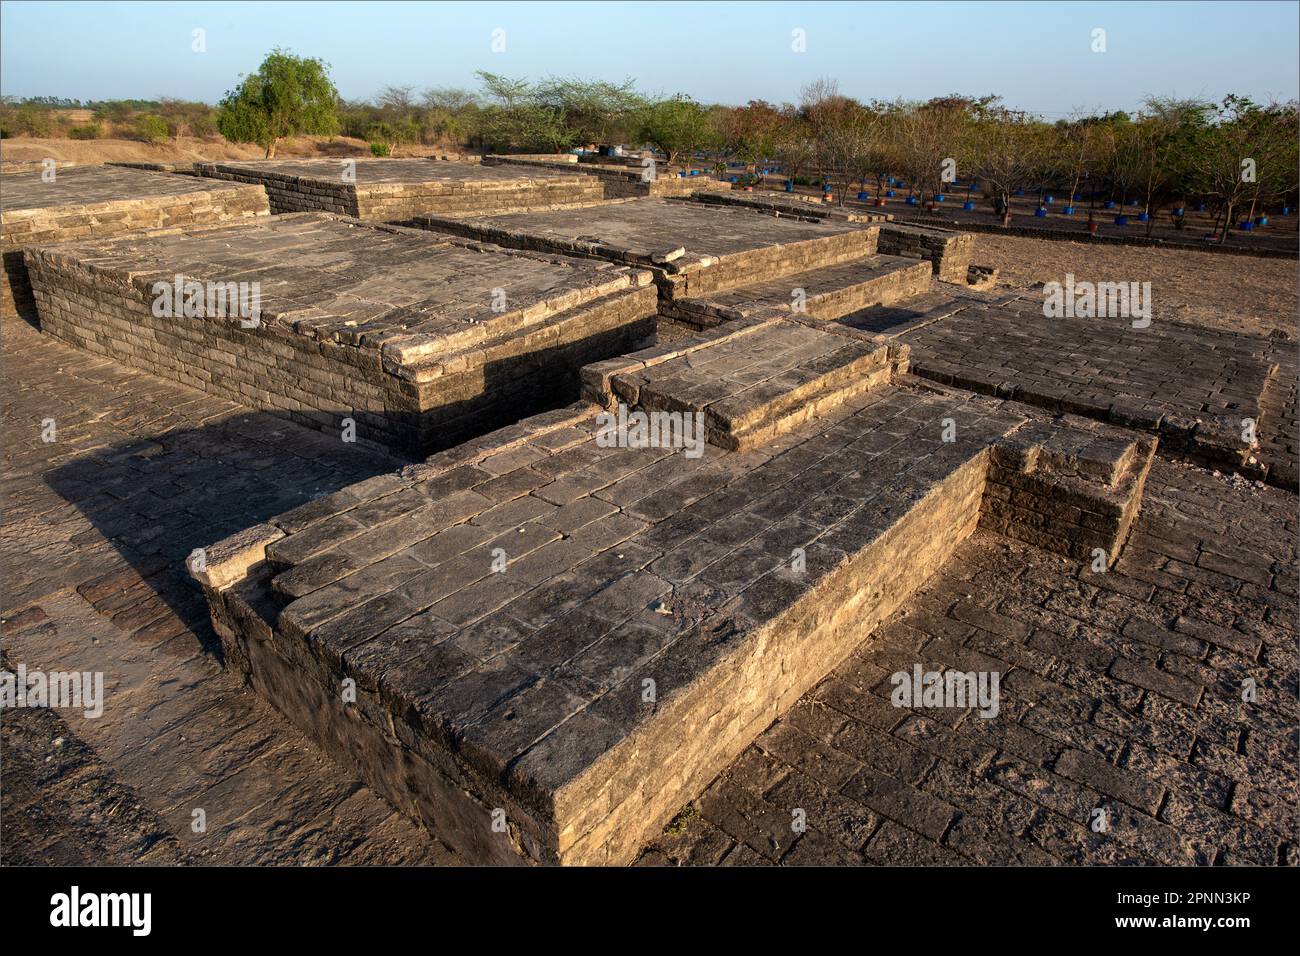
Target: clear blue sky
1036,55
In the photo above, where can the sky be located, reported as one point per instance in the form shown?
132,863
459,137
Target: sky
1038,56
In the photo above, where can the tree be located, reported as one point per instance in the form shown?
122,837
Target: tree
676,126
1007,150
930,134
287,96
844,131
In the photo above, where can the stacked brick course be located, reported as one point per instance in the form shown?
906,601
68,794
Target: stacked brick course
732,582
422,343
398,190
92,202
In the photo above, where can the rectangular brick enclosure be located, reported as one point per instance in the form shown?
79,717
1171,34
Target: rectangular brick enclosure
575,636
714,262
397,190
422,341
91,202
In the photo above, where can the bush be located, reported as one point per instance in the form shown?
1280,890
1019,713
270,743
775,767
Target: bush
152,129
379,149
88,131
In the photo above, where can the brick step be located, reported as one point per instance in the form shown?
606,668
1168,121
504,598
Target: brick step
752,387
906,316
828,292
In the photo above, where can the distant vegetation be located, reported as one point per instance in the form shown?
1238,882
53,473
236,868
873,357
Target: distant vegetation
1235,156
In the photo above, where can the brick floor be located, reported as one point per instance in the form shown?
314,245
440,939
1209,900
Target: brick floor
1120,693
96,528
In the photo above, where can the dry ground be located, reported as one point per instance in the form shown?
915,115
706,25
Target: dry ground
1210,289
187,149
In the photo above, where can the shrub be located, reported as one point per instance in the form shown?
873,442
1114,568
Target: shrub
379,149
88,131
152,128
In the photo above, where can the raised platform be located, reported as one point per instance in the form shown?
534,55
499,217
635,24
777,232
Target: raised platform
1195,388
92,202
623,179
541,644
420,341
398,190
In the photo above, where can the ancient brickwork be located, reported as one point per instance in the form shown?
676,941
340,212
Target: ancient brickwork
398,190
619,182
501,605
419,343
93,202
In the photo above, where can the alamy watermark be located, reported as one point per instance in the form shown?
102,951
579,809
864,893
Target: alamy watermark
61,690
624,429
947,689
1108,300
207,300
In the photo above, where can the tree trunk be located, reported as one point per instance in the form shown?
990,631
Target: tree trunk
270,150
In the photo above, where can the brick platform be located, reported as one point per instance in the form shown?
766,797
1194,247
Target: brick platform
501,606
1193,387
94,202
421,342
397,190
617,181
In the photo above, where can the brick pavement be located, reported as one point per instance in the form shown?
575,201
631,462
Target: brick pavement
1121,693
96,528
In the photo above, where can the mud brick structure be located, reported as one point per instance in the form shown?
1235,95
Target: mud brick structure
620,181
397,190
421,341
581,635
1195,388
718,262
92,202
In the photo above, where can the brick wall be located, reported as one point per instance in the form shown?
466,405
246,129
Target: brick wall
26,227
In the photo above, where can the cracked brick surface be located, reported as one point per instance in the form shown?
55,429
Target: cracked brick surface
1120,692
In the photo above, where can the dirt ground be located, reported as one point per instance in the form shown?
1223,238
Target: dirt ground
188,149
1214,290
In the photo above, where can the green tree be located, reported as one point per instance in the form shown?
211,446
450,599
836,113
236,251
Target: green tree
676,126
287,96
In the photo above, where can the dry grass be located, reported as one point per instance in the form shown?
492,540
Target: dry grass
186,149
1210,289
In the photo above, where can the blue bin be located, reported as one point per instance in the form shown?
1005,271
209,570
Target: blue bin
1286,210
912,200
1110,204
1068,210
1201,207
1180,211
968,205
889,194
1143,217
939,197
1261,220
862,196
789,185
1020,192
1246,226
1041,212
1048,200
1121,220
1132,202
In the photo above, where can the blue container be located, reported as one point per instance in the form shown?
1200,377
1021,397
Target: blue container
1020,192
1180,211
1110,204
1246,226
1286,210
1041,212
695,172
1132,202
1261,220
912,200
968,205
1068,210
732,179
889,194
1201,207
1048,200
1143,217
862,196
939,197
1121,220
789,185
